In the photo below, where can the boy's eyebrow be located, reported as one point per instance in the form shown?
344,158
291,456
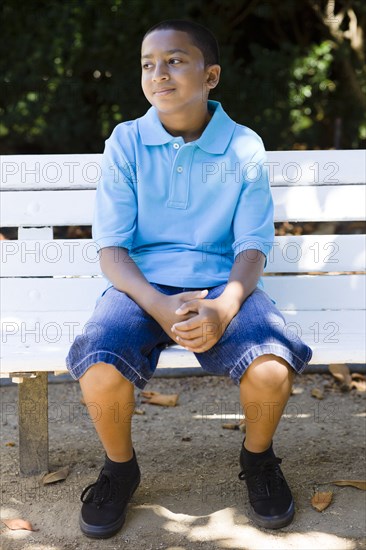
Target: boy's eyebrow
176,50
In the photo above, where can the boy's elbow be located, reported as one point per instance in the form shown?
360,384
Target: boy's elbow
111,255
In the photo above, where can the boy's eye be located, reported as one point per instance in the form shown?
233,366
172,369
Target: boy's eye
173,61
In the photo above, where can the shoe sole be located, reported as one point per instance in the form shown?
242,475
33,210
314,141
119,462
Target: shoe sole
105,531
275,522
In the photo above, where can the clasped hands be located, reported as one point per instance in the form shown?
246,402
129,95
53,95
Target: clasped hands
191,320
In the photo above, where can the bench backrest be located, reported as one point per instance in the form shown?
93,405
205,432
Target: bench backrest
50,285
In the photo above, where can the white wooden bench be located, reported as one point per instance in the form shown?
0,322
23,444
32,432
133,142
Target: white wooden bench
49,286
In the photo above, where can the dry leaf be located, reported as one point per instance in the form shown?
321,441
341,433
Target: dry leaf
235,425
156,398
321,501
296,390
10,444
52,477
358,483
230,426
358,376
342,374
139,411
316,392
18,523
359,385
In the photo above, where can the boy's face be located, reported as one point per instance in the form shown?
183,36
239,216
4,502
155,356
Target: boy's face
174,76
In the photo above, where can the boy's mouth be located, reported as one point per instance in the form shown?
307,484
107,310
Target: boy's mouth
163,91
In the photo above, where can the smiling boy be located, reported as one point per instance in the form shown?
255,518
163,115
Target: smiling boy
184,222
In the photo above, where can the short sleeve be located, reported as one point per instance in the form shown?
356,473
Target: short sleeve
115,208
253,219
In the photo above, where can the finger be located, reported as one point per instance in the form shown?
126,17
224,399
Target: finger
186,308
189,335
196,345
188,324
193,294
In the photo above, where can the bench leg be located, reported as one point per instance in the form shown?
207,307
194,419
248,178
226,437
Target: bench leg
33,424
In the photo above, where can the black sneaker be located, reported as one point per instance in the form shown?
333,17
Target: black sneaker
271,502
104,508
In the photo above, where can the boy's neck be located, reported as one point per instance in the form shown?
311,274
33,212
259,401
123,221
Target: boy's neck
188,125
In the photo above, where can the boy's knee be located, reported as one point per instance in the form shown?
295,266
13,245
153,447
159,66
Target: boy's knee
268,371
105,377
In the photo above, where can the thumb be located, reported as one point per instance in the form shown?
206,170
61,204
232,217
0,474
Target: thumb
194,294
190,297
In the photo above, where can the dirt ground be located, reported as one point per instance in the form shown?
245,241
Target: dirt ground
190,496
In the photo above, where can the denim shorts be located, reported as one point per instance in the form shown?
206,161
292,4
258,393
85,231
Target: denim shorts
121,333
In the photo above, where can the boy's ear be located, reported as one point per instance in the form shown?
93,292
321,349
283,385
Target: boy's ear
213,76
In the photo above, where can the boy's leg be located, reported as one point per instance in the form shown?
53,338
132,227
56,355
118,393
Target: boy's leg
258,352
109,397
264,391
119,350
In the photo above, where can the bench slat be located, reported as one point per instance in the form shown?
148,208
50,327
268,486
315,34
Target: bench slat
291,292
350,348
323,203
290,254
317,167
83,170
48,328
311,203
38,208
27,172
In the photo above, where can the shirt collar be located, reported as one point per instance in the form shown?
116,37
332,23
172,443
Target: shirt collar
214,139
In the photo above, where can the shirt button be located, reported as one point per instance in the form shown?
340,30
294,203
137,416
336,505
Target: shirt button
176,145
180,169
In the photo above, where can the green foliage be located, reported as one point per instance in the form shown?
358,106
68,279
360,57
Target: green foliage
70,71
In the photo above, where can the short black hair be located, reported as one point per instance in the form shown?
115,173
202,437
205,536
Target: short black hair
201,37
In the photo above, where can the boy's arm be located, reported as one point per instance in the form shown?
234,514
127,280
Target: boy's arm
201,332
244,276
125,276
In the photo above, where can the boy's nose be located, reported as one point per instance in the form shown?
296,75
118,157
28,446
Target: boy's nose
160,73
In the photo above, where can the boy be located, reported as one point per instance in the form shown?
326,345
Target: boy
184,221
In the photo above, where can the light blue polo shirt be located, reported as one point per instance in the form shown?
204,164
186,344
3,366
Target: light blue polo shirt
184,210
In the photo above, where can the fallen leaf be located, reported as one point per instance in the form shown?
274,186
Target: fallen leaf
10,444
321,501
359,385
358,376
296,390
229,426
242,425
156,398
342,374
316,392
139,411
235,425
52,477
358,483
18,523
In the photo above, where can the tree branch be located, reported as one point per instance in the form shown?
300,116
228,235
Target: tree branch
333,22
241,15
355,34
